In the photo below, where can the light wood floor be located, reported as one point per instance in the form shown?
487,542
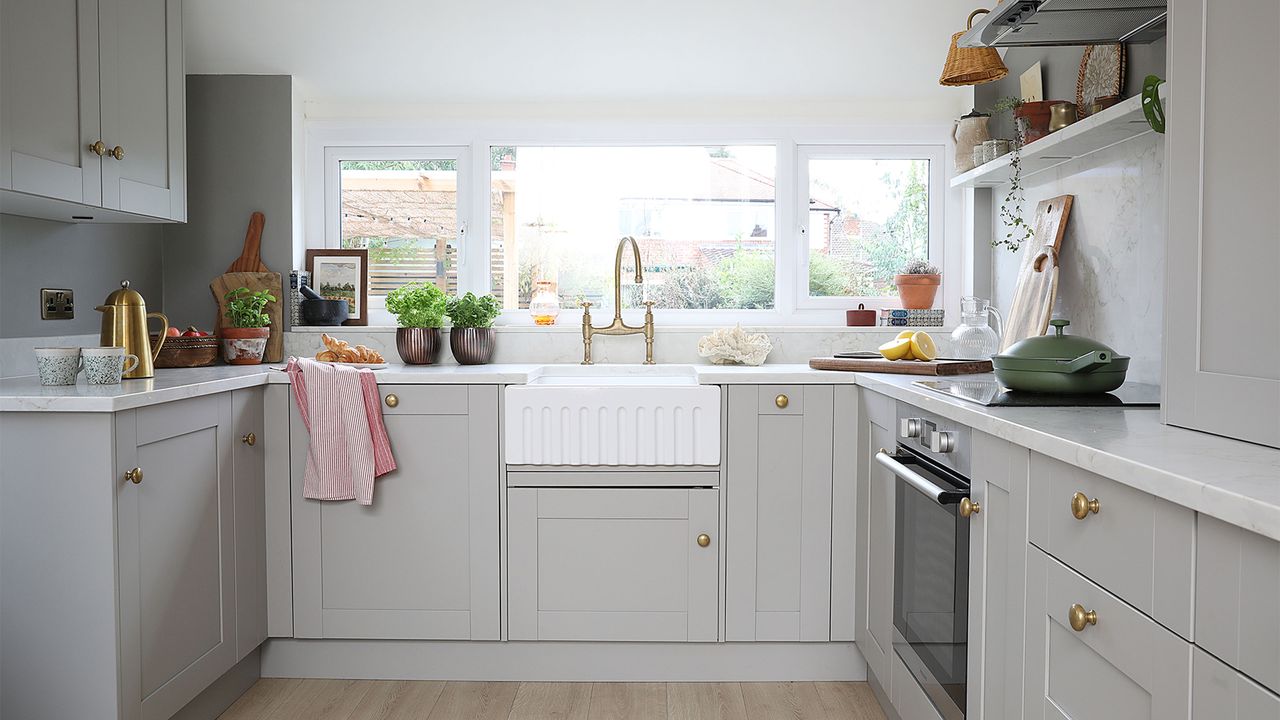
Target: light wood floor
291,699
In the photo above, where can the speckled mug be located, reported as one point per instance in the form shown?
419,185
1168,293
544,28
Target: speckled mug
105,365
58,365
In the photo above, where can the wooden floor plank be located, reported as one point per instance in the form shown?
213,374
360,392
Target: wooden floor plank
628,701
475,701
552,701
260,700
398,700
851,700
315,699
705,701
778,700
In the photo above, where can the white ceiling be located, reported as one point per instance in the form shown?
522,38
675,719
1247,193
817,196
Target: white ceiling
529,51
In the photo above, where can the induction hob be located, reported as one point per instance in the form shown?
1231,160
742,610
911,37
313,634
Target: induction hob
989,392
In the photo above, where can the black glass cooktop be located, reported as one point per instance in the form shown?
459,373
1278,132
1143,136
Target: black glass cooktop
989,392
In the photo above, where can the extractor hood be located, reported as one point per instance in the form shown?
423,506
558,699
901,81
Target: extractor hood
1022,23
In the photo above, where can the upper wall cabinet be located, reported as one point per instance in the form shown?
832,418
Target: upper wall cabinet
92,110
1223,179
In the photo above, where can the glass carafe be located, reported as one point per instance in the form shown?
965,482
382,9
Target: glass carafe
974,338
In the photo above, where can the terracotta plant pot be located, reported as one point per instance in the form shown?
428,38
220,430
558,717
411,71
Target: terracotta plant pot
418,346
244,346
917,291
471,346
1035,118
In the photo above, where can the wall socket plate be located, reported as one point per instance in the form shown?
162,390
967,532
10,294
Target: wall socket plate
57,304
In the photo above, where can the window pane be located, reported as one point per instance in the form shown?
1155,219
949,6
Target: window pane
867,217
703,217
406,213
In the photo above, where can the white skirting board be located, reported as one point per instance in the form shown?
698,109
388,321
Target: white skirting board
562,661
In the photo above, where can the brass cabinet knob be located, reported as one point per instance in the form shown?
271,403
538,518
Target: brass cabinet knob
1081,506
1081,618
249,439
969,508
392,400
116,152
134,476
704,540
782,401
98,148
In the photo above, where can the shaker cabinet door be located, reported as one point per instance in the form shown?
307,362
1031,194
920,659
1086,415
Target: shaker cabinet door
248,451
876,504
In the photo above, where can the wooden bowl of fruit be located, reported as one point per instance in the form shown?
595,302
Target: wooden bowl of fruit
191,348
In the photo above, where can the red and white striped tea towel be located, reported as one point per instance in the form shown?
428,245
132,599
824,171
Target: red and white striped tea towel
342,409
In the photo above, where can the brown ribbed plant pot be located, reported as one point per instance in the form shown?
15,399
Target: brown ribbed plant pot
917,291
471,346
418,346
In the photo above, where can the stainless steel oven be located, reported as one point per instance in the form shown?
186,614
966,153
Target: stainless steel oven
931,555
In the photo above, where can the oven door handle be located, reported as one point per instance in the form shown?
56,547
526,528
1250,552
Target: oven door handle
915,479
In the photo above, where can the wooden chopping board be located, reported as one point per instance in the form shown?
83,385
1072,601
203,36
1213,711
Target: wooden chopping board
902,367
1038,277
255,281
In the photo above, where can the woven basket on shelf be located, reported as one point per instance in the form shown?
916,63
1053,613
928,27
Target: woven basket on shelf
971,66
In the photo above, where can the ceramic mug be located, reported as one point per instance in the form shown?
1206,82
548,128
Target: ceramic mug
58,365
105,365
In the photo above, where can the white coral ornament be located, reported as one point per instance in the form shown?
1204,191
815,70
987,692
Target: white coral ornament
734,346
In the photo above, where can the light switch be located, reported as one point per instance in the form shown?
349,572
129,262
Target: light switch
57,304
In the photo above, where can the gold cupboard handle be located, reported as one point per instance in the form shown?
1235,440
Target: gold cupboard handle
969,508
134,476
782,401
116,152
98,148
1081,506
704,540
392,400
249,439
1081,618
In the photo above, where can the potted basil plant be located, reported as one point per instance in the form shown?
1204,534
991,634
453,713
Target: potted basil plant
472,336
419,309
245,339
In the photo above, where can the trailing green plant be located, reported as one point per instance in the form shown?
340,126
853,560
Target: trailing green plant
247,309
919,266
418,305
471,311
1018,230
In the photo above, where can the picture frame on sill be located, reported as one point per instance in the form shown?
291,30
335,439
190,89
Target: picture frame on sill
342,275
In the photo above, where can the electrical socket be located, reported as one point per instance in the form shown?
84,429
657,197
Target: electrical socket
57,304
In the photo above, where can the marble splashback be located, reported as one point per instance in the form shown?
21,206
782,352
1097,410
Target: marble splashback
1111,282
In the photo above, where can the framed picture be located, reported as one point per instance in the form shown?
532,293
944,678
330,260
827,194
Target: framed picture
342,275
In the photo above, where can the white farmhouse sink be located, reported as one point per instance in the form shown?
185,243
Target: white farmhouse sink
613,415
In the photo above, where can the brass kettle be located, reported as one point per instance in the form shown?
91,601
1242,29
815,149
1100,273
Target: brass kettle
124,324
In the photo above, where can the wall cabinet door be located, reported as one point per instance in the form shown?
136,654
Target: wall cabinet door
876,504
422,561
249,483
778,537
1123,666
1222,249
49,99
175,552
613,564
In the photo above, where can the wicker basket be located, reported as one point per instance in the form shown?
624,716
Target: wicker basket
971,66
187,352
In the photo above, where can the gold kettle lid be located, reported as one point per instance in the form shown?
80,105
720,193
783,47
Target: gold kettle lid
125,296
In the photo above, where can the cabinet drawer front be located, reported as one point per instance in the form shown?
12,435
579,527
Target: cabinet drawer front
1123,666
1135,545
781,399
1218,692
1237,583
424,399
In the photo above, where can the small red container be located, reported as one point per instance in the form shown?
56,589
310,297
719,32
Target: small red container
862,317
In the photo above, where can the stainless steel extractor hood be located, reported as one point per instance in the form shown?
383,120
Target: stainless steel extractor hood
1021,23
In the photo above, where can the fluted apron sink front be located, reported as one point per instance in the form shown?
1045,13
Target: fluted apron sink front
613,415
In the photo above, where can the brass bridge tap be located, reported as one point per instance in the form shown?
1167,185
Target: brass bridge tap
618,327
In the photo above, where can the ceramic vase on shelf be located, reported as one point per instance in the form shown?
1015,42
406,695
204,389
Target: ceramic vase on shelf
418,345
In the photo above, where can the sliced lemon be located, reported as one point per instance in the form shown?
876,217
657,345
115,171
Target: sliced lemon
923,347
896,349
906,334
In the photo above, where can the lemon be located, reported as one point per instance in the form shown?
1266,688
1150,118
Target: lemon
922,346
896,349
906,334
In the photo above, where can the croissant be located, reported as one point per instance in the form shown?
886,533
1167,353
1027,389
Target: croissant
341,351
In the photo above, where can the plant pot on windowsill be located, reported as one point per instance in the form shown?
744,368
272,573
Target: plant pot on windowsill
244,346
917,291
418,345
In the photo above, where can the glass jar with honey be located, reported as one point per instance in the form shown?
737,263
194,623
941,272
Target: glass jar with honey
544,305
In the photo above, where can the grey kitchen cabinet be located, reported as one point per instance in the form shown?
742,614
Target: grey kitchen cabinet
623,564
1219,692
92,109
997,577
875,523
1222,253
1091,655
421,562
249,438
779,494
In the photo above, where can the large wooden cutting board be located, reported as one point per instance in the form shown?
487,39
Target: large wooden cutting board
1038,277
255,281
902,367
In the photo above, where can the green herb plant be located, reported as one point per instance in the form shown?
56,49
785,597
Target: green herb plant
470,311
418,305
1019,230
248,309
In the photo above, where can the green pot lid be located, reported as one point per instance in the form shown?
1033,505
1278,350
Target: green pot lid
1058,346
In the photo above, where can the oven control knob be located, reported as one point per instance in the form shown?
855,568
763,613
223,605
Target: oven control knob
911,427
942,442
